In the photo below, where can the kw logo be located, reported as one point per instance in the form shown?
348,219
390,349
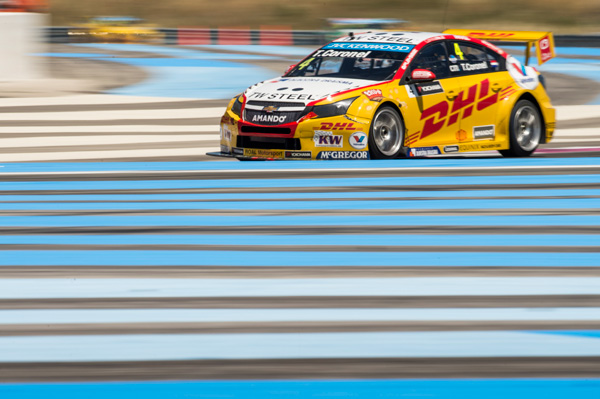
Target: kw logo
337,126
439,115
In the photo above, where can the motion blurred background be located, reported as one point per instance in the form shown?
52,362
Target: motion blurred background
133,267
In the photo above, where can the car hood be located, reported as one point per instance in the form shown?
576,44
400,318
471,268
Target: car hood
301,90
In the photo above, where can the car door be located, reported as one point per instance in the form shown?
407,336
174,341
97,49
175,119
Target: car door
429,103
475,108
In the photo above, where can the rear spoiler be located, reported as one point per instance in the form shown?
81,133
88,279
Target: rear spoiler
543,41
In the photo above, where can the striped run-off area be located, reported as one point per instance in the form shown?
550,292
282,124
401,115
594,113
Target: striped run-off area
123,128
465,277
437,269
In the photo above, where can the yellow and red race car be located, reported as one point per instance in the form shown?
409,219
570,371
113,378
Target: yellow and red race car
396,94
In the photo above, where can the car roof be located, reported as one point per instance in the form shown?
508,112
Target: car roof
389,37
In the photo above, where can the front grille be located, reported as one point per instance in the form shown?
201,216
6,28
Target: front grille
268,143
260,117
266,130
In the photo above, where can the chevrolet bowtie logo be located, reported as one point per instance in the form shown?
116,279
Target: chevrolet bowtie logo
270,108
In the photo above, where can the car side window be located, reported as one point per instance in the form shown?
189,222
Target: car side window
434,58
471,59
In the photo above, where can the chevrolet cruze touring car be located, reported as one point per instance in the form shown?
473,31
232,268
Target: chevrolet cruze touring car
396,94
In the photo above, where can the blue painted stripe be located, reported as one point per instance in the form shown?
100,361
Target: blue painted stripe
153,347
469,163
281,183
407,240
479,204
578,333
93,316
354,220
301,287
291,258
581,388
324,195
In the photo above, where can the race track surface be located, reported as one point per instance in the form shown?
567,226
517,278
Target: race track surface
126,255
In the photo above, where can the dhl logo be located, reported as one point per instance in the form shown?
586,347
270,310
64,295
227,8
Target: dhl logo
337,126
491,34
476,97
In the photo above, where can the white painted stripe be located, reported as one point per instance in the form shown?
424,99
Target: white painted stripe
53,141
142,347
97,316
574,112
416,286
571,140
115,115
109,129
203,150
86,99
592,131
82,155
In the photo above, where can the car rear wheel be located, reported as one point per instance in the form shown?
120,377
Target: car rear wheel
525,130
386,135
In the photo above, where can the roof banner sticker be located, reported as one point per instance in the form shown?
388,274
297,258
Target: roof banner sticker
399,48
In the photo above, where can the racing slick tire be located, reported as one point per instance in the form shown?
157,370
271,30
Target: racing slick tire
386,135
525,130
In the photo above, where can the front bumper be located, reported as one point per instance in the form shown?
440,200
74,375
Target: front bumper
338,137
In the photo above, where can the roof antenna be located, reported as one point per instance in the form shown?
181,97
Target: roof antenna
445,15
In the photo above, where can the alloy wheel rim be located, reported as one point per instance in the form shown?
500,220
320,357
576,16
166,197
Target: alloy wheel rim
387,132
528,128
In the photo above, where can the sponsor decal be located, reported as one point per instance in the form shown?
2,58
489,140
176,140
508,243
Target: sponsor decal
324,138
422,74
429,88
398,48
281,96
474,67
337,126
382,38
450,148
358,140
491,35
343,155
490,146
484,132
461,135
424,151
238,151
272,118
374,94
476,98
298,154
408,59
526,77
225,133
254,152
225,149
479,147
544,48
343,54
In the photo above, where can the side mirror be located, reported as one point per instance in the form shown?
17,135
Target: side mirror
289,69
422,75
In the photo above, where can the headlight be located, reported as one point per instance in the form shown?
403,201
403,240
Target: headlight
236,108
337,108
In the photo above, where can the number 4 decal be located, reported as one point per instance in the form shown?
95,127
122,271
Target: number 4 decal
458,52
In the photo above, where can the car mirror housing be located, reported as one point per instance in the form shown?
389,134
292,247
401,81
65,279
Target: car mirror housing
422,75
290,69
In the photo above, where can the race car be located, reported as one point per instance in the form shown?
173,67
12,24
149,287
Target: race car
388,95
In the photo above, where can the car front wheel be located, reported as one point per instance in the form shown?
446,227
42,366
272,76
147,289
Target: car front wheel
525,130
386,135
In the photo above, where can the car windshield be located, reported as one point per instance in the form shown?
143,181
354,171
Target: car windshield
367,65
